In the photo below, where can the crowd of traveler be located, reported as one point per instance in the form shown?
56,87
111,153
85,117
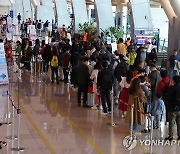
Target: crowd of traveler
92,67
130,71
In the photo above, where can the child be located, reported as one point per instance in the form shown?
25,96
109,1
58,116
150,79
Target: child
124,96
157,110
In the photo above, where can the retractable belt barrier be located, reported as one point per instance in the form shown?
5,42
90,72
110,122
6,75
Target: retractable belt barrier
132,118
17,108
36,66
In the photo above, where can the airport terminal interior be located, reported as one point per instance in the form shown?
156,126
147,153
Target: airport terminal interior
89,76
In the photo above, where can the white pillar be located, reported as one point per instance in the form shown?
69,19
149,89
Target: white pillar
105,14
62,13
80,12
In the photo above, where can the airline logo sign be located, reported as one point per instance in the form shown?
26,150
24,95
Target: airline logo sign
3,66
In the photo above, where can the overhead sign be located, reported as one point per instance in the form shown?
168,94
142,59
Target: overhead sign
3,66
11,13
146,32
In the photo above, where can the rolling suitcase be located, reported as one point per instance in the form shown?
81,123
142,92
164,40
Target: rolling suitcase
90,100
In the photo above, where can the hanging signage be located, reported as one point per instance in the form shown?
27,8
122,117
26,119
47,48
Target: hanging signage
11,13
3,66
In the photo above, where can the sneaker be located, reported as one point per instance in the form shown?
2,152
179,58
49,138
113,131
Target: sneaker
145,131
169,138
116,102
100,107
136,133
104,114
94,107
123,116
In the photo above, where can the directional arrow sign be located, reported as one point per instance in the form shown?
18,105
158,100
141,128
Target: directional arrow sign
3,76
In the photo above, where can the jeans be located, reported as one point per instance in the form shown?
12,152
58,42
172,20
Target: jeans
116,88
105,98
45,66
157,120
54,70
39,32
174,117
46,30
136,127
82,89
172,73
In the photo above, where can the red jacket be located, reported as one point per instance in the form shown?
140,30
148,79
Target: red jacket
162,85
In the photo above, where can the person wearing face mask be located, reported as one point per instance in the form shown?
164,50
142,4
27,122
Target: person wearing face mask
143,56
56,35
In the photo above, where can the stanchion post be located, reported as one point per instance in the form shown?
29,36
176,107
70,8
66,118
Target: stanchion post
112,110
151,136
35,67
39,68
8,123
132,118
12,137
18,148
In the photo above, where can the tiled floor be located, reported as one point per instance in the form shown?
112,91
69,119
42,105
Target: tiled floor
51,122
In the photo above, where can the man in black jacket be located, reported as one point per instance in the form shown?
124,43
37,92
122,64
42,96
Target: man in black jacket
56,35
105,82
121,69
174,108
82,80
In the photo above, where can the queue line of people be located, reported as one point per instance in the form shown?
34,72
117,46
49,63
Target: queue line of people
133,76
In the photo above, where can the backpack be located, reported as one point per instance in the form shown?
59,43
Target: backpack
54,61
120,71
107,80
165,93
65,61
177,95
39,25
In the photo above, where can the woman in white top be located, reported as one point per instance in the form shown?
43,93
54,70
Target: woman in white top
93,77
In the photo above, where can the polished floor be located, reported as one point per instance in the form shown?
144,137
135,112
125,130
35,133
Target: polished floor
51,121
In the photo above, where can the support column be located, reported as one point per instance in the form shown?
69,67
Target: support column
168,10
45,11
176,7
141,14
105,14
121,17
80,12
173,14
62,13
27,9
18,8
